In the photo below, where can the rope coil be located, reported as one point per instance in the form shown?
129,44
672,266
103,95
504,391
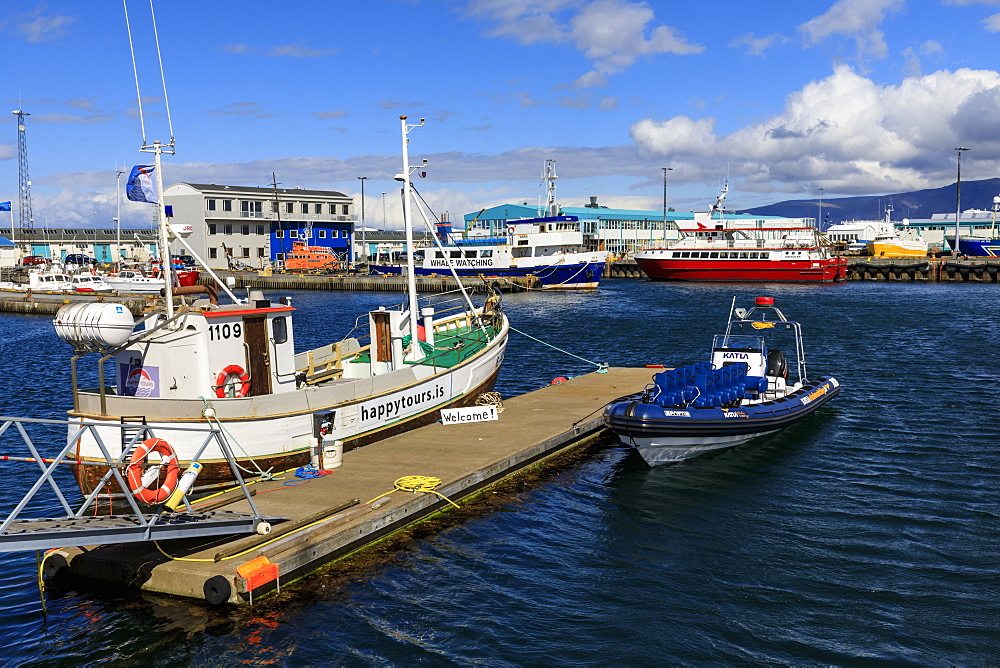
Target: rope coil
414,484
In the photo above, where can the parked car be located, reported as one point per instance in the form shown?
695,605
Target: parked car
79,258
32,260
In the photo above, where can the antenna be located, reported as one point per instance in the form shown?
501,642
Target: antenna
24,182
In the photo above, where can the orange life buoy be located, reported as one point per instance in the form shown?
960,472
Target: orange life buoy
242,377
140,479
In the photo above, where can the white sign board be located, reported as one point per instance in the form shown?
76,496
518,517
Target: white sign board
473,414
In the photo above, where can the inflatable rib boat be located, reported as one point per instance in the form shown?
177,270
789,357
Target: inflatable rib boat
744,392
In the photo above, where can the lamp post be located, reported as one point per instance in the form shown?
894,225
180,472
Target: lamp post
664,235
364,246
819,223
958,195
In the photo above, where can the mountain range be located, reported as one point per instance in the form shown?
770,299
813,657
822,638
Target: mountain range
915,204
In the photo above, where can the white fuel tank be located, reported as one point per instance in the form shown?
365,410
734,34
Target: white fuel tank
103,323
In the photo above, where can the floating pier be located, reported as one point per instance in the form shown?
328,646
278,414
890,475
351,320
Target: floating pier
380,489
47,303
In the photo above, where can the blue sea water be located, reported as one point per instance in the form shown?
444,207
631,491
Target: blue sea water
867,535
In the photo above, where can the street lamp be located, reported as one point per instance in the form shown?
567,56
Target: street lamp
819,223
665,170
364,247
958,195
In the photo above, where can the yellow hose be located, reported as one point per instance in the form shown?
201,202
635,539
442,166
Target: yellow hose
416,483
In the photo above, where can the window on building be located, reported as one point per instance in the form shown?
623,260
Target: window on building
317,208
289,207
213,253
227,229
251,209
305,207
210,205
333,209
211,228
260,252
245,229
245,252
227,205
275,207
345,209
261,230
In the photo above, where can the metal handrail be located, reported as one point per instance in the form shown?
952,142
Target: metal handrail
48,466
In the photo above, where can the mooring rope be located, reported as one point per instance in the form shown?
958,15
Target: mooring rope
602,367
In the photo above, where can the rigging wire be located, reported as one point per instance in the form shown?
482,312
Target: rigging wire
163,78
135,70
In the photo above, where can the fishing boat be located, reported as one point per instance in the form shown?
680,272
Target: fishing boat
89,283
234,366
744,249
549,248
744,391
985,243
39,279
149,280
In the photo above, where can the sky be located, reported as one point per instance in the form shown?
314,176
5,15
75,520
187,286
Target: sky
786,100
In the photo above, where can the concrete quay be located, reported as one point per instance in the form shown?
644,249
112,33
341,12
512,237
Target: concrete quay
344,512
47,303
368,283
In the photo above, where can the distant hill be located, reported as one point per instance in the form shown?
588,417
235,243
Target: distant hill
916,204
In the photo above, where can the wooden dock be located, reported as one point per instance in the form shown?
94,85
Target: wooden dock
344,512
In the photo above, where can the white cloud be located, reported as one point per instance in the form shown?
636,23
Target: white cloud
858,19
612,34
846,133
45,28
992,23
756,46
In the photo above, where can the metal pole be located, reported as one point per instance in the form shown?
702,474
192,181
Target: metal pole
664,235
166,270
819,223
364,247
411,281
958,196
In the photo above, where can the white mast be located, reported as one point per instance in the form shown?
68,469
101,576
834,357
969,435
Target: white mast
411,281
549,177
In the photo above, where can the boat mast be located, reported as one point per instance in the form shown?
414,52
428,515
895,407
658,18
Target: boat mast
165,265
411,281
549,176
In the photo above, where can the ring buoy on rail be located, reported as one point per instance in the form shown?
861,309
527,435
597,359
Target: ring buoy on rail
141,479
232,375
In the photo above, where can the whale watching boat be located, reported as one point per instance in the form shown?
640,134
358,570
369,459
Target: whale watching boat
744,248
743,392
549,248
234,367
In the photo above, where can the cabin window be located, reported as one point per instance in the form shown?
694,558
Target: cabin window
713,255
279,234
321,234
279,329
470,254
438,255
455,254
486,253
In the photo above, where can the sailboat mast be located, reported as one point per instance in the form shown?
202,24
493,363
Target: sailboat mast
165,264
411,281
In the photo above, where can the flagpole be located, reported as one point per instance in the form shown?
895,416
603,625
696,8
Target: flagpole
165,268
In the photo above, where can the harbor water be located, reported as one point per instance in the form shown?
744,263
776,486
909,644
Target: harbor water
868,534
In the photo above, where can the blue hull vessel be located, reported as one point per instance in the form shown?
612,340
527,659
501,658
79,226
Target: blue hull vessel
576,276
976,246
744,392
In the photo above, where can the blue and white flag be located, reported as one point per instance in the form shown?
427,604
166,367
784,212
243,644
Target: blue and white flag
5,206
140,186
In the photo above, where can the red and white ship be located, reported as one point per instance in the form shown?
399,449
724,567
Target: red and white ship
744,248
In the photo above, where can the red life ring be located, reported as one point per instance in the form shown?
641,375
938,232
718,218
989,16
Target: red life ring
242,376
136,471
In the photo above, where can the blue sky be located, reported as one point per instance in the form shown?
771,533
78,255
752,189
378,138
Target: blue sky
785,98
